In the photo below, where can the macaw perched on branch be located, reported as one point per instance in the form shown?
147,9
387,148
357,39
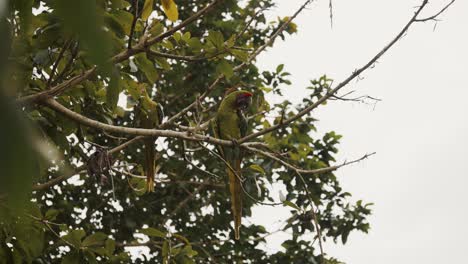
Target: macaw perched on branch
149,115
230,124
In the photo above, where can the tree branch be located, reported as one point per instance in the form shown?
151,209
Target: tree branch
140,47
53,104
212,86
132,29
355,74
433,17
302,171
59,58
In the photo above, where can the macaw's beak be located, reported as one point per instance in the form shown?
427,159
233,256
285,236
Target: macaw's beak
243,101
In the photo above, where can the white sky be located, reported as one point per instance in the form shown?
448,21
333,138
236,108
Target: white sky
419,130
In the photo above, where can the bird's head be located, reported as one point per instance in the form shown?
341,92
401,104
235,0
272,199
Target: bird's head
243,99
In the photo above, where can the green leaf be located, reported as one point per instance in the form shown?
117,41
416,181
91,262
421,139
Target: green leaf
195,44
96,239
153,232
74,237
51,214
291,204
225,68
167,44
156,28
165,251
279,68
147,67
113,90
257,168
120,4
147,9
122,19
186,36
216,38
180,237
163,63
240,54
90,257
177,36
110,246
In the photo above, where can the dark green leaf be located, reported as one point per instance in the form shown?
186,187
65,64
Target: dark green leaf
153,232
216,38
96,239
74,237
225,68
291,204
147,67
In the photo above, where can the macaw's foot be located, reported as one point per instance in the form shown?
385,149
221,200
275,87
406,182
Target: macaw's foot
235,143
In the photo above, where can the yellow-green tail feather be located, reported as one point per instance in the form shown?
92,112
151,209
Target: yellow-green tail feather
149,164
236,199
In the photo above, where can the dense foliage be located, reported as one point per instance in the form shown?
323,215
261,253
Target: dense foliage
100,214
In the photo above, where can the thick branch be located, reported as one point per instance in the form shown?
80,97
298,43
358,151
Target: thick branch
53,104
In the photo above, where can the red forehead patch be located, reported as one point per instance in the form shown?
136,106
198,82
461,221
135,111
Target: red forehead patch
247,94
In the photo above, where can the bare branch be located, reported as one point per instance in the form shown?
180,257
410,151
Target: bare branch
355,74
434,17
302,171
313,213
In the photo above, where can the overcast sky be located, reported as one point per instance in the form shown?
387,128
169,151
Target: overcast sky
418,178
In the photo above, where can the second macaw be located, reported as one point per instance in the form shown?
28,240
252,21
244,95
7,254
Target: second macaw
150,116
230,124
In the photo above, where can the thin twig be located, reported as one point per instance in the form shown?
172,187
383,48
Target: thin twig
433,17
184,202
132,29
302,171
59,58
314,215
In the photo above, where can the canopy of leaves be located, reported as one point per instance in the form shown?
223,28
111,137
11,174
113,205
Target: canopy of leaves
101,212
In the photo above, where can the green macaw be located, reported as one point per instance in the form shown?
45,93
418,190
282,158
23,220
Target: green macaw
230,124
150,116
